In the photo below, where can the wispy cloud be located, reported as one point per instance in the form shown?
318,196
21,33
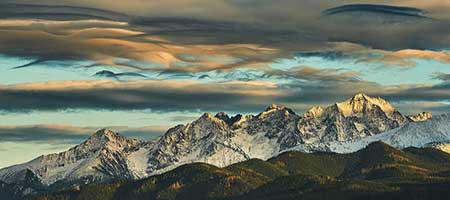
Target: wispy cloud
57,133
403,58
106,45
242,96
155,95
313,74
441,76
189,42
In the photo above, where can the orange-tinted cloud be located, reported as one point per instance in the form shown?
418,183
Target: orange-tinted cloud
155,95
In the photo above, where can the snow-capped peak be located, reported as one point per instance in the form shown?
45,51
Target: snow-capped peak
106,137
208,117
103,156
315,111
103,135
352,119
361,103
421,116
275,108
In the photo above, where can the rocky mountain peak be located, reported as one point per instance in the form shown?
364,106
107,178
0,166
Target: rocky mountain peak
361,103
315,111
227,119
276,109
103,136
421,116
222,115
209,118
361,96
207,115
357,117
106,137
105,133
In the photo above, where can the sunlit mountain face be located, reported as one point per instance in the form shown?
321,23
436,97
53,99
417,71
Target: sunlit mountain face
69,68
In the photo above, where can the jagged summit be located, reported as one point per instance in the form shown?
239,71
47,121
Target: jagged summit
221,115
421,116
314,112
273,108
277,107
357,117
209,118
105,133
99,139
229,120
364,103
207,115
106,137
361,95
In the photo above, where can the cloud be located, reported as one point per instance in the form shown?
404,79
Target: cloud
313,74
44,133
411,108
405,57
118,76
400,58
374,8
183,118
441,76
58,12
49,41
236,36
155,95
57,133
306,87
425,92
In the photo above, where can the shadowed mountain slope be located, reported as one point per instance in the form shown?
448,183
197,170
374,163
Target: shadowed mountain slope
377,171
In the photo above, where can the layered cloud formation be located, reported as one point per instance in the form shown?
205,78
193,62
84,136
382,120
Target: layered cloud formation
69,134
223,55
195,41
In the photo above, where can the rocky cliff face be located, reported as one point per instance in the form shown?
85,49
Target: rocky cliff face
192,142
222,140
434,132
355,118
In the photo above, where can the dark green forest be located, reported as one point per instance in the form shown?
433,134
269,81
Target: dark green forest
378,171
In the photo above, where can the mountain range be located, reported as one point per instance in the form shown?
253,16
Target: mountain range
222,141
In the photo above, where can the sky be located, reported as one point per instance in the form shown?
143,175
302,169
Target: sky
69,68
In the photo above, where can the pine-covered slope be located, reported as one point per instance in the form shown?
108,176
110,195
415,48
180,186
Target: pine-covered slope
378,170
